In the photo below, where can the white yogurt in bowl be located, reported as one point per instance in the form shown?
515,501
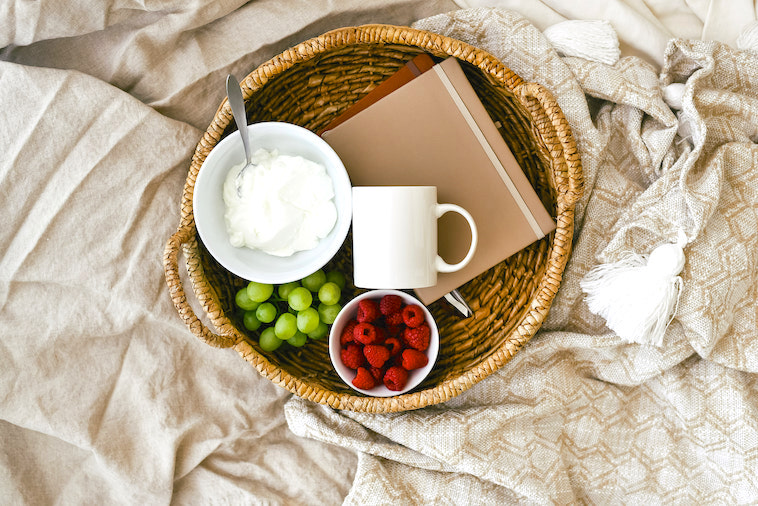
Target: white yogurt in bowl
283,204
209,208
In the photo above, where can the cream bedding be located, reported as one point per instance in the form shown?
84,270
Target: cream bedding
106,398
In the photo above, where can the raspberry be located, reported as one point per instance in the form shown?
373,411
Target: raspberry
390,304
347,333
395,330
352,356
395,378
418,338
393,361
394,344
368,311
377,373
413,315
363,379
381,334
414,359
376,354
365,333
394,319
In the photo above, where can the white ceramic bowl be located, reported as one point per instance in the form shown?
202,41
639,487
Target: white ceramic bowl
208,203
349,312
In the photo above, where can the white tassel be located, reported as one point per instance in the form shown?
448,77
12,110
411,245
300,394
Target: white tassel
673,94
748,39
594,40
638,295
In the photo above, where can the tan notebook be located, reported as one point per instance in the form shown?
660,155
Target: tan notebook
412,69
435,131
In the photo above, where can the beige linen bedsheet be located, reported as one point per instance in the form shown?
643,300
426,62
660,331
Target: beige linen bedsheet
106,398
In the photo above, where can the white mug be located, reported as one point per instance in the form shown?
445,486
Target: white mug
395,236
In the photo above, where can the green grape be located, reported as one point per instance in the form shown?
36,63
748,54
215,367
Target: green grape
307,320
329,293
243,301
337,278
285,326
314,281
266,312
300,298
285,289
298,339
250,321
328,312
268,340
321,330
259,292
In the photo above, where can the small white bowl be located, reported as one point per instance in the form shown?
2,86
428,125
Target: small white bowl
208,203
349,312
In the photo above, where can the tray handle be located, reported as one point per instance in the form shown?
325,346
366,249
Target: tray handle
559,125
179,298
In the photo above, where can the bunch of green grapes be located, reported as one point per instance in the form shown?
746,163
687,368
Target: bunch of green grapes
293,312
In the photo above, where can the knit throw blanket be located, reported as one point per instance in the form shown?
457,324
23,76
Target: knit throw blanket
582,414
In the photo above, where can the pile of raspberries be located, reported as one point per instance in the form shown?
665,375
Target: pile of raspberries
384,341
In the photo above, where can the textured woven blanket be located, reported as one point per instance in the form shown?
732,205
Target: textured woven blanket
579,415
106,397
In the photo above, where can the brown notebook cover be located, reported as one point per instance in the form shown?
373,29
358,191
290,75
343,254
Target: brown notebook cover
434,130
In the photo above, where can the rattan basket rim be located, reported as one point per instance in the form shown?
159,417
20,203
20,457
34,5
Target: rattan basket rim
549,123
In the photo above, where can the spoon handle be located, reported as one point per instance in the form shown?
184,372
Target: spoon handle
237,103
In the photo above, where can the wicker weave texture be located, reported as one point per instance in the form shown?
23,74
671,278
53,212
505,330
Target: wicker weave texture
309,85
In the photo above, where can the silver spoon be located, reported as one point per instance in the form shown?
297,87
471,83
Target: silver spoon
237,103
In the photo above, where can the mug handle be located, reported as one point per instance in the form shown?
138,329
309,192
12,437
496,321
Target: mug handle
440,264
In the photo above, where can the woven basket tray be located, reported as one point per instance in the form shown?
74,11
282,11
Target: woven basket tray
309,85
